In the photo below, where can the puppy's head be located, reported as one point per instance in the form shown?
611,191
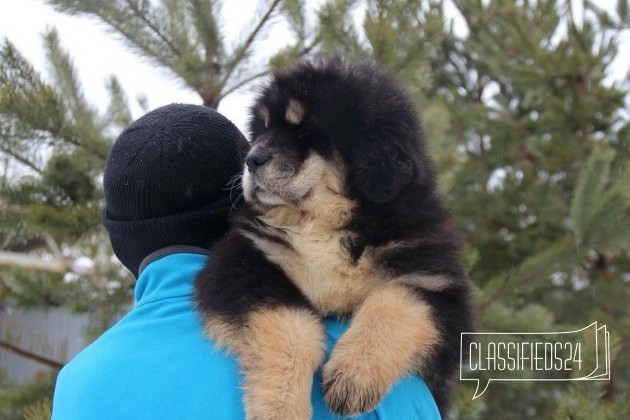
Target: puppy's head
329,128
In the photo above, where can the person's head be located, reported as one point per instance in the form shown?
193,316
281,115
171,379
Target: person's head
166,181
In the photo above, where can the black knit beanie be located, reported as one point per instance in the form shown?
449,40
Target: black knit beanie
166,181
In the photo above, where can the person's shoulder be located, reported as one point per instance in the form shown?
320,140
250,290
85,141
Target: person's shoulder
128,373
78,382
88,365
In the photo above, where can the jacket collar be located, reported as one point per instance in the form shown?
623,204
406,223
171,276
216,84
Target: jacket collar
168,273
173,249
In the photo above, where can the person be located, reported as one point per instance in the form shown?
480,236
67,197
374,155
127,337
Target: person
167,198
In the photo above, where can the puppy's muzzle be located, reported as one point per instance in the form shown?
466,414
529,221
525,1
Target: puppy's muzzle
256,160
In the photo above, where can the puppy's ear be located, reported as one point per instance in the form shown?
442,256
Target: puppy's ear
381,172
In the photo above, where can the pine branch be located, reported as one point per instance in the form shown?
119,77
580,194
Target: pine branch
138,24
133,29
65,77
203,14
118,112
30,355
39,107
243,82
590,189
228,90
336,30
243,49
66,135
153,27
24,161
207,72
531,271
295,13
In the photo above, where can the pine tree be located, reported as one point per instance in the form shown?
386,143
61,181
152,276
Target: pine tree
532,148
541,192
56,144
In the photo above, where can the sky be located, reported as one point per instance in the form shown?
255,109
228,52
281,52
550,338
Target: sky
97,53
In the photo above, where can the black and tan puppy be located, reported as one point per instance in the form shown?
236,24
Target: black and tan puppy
342,217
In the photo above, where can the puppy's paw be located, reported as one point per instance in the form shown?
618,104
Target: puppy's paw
350,388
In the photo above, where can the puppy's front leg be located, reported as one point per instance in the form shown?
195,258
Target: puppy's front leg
250,306
284,347
391,329
279,350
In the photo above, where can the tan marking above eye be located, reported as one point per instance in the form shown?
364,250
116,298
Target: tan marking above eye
263,113
295,112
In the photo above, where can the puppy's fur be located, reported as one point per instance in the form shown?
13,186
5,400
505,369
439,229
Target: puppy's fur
342,217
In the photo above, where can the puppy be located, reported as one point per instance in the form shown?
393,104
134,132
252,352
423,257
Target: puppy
341,218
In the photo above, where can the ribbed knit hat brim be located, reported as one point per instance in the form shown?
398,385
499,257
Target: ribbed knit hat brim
133,240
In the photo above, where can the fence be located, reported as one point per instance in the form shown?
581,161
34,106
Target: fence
32,341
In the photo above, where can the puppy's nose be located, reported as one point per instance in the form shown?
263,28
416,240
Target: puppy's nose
256,160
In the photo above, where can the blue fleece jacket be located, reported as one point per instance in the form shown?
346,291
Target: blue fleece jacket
156,364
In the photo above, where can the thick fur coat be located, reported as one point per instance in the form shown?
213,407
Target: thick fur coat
341,217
